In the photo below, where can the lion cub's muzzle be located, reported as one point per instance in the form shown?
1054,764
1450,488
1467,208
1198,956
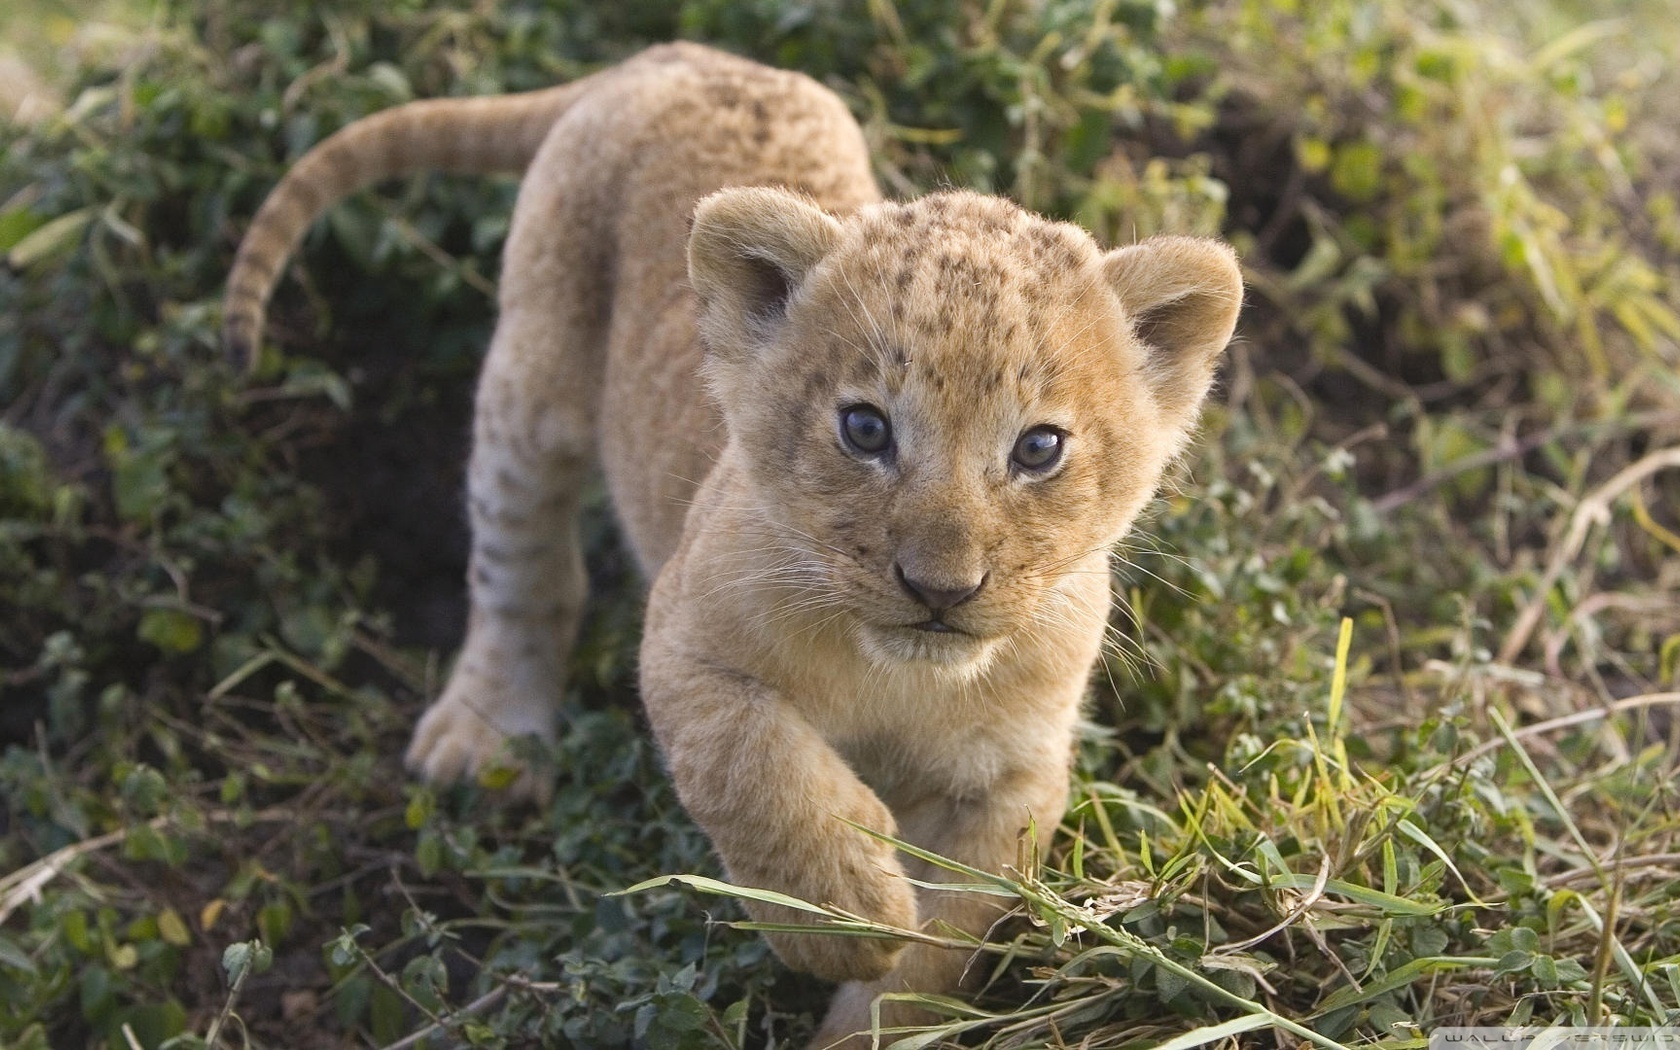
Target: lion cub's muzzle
938,595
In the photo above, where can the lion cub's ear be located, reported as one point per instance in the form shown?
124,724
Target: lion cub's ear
748,253
1182,295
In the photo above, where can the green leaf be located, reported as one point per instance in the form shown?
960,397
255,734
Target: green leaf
53,240
236,959
1169,985
171,630
140,480
498,777
982,879
1514,961
387,1012
1356,172
13,957
343,949
1388,903
173,929
1429,940
95,991
76,931
1668,660
1388,1019
33,1037
425,978
274,919
16,224
428,853
1417,835
1314,154
420,807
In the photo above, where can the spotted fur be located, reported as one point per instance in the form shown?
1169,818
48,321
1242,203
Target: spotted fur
898,640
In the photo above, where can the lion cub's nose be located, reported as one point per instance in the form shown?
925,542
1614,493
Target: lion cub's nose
936,598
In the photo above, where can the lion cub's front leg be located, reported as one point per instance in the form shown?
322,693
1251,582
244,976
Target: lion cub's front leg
774,797
984,833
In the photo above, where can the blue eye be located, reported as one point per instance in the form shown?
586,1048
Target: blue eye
865,430
1038,449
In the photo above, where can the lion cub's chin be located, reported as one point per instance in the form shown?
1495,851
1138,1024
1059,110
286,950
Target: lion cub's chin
952,653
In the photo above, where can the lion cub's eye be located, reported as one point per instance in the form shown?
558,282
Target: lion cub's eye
865,430
1038,449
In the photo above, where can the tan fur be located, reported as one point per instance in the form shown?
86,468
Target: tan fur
475,136
792,675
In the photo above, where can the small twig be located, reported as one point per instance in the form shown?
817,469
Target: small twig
1374,432
483,1002
1375,378
1509,449
183,600
1589,607
479,1005
437,1023
442,259
391,660
1593,510
1606,945
1502,453
1395,646
1313,896
1595,714
180,604
27,882
1650,860
213,1036
333,67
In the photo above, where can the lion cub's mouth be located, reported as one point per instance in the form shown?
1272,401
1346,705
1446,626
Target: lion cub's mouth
937,626
930,642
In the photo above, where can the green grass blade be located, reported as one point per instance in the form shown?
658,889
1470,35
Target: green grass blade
1213,1033
1387,903
719,888
1400,978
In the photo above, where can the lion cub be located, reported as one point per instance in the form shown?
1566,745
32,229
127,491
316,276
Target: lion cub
873,456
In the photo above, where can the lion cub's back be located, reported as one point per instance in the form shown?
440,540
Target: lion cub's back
621,172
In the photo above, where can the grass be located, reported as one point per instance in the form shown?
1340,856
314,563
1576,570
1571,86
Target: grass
1386,738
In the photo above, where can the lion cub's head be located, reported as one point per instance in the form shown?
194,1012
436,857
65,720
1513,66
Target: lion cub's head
946,406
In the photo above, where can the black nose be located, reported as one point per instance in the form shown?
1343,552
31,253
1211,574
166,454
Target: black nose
937,599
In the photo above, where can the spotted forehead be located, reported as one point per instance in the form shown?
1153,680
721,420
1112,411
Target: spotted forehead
965,291
965,245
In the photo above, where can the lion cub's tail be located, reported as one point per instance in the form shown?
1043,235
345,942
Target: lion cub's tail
461,135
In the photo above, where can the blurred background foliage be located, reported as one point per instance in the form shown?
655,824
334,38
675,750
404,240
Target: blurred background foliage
1450,417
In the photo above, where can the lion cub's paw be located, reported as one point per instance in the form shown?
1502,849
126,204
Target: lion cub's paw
874,895
837,957
463,735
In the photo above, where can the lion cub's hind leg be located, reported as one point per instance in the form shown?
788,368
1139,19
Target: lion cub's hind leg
533,447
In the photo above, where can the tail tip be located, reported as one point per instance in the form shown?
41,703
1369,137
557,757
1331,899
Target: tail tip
240,341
